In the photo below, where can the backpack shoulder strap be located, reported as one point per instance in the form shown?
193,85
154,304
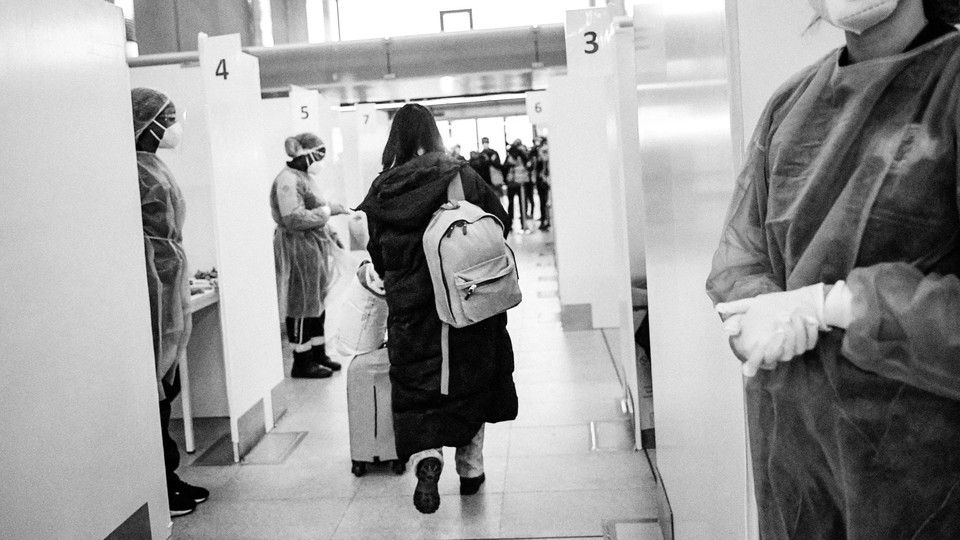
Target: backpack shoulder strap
455,189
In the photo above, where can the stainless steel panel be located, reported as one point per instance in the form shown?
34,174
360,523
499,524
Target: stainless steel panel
686,157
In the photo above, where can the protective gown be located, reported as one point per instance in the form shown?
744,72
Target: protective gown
852,174
303,246
162,210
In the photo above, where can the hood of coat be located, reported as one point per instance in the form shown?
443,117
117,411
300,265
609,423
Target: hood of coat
405,197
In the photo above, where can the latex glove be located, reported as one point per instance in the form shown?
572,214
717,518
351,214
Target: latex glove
774,327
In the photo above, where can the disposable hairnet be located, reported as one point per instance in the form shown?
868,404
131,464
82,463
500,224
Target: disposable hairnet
298,144
147,105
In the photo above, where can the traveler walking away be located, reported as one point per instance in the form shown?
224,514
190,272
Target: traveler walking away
399,205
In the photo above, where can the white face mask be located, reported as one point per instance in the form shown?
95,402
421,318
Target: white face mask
854,15
171,135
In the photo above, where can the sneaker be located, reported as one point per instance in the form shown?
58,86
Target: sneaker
180,504
426,496
469,486
195,493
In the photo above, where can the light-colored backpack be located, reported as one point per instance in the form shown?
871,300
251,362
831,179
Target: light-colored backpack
474,271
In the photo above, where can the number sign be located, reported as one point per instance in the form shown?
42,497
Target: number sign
588,40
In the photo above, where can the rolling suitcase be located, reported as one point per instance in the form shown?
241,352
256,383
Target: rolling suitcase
370,412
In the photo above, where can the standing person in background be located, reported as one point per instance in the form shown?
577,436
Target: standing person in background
163,210
304,252
492,161
516,175
837,276
541,167
399,206
455,152
478,163
528,185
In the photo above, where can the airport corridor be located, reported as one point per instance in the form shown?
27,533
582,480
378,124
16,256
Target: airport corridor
565,468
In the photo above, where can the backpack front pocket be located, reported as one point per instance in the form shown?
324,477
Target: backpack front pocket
488,288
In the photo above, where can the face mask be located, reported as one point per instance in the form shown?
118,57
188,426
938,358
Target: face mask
315,159
171,135
854,15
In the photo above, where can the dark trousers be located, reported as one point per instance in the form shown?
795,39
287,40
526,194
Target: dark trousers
513,190
543,191
171,454
528,194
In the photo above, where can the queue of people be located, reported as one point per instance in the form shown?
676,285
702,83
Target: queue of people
521,171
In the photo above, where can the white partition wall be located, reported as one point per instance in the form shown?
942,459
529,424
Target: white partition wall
364,133
80,451
248,296
588,143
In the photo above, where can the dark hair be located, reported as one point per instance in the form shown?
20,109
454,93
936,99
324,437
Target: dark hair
947,11
413,128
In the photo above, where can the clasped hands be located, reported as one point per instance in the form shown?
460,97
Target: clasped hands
774,327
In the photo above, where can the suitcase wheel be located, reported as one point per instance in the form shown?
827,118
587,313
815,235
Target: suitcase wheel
359,468
398,467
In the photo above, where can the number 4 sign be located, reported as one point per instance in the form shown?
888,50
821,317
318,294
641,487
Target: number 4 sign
221,66
588,40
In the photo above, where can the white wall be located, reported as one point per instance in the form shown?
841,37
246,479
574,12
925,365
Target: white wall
248,296
581,167
80,446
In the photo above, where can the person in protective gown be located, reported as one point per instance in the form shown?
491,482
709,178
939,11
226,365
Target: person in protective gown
837,273
162,208
304,253
399,206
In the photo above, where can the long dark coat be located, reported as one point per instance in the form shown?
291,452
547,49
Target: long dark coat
399,206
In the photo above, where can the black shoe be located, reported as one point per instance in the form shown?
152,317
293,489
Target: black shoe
320,357
180,504
469,486
304,367
196,493
426,496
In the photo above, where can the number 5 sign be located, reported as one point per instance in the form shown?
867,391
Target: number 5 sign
588,40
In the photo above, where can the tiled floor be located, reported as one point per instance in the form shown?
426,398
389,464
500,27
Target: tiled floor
543,478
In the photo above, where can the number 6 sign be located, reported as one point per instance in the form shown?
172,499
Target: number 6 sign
588,36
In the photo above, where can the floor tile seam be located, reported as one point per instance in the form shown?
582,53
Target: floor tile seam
218,500
346,509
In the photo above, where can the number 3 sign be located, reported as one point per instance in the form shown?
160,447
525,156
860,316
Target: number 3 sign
588,35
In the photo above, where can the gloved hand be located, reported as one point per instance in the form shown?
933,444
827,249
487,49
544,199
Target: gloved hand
775,326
